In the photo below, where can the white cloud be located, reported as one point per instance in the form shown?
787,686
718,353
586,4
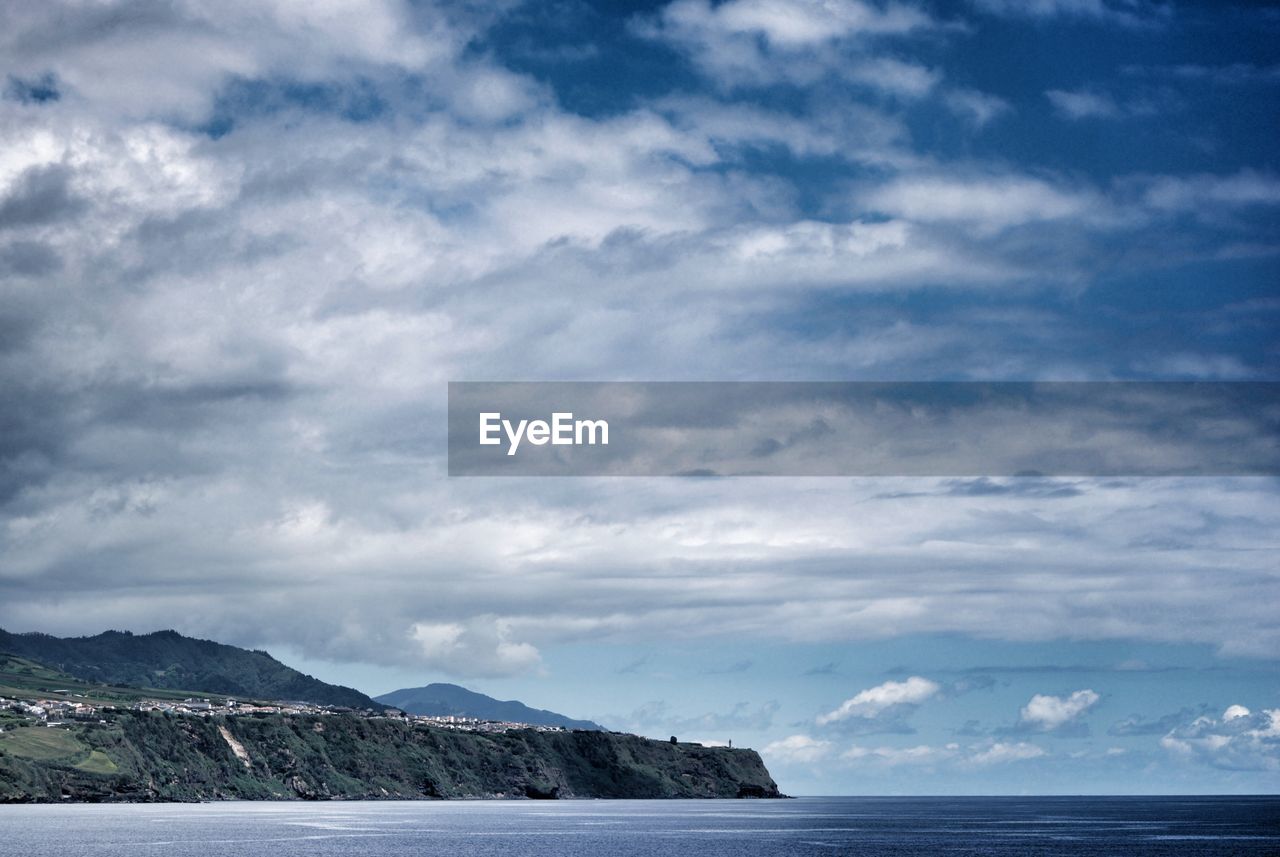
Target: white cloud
797,749
793,23
1048,713
1082,104
1240,740
904,79
1206,193
980,108
752,42
951,755
875,701
1001,753
479,647
170,59
985,205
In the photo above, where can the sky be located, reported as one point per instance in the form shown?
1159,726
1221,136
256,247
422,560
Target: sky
245,245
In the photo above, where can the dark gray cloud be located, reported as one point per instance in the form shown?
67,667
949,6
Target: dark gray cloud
39,89
39,196
28,259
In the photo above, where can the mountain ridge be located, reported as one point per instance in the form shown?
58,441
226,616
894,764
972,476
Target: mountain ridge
170,660
442,699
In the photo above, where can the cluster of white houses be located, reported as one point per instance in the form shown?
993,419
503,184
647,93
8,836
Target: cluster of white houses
56,712
51,712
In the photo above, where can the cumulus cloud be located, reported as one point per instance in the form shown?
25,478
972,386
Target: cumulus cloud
797,749
1045,713
480,647
1238,740
883,708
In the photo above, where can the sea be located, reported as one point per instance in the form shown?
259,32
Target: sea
594,828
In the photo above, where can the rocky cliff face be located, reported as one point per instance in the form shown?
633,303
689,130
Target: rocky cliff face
154,757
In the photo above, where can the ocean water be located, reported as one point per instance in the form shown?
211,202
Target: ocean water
806,826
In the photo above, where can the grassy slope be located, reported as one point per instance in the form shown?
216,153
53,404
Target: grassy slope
22,678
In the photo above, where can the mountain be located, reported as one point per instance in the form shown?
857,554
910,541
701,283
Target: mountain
134,756
168,660
442,700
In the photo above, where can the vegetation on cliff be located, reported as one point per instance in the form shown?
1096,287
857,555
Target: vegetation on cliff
149,756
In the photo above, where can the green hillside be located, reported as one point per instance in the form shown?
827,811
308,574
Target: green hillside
169,661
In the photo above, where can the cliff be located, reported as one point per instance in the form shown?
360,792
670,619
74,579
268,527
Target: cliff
138,756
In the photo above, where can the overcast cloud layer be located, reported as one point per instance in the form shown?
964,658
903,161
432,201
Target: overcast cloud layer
244,246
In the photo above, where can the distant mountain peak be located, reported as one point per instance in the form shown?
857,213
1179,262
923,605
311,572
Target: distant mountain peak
442,699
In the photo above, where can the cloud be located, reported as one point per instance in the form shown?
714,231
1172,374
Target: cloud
230,302
984,205
38,89
633,667
1083,104
980,108
729,669
1204,193
1239,740
953,755
1233,74
904,79
797,749
922,754
762,42
792,23
657,717
883,708
828,668
1001,753
1137,724
1128,12
147,59
481,647
1045,713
